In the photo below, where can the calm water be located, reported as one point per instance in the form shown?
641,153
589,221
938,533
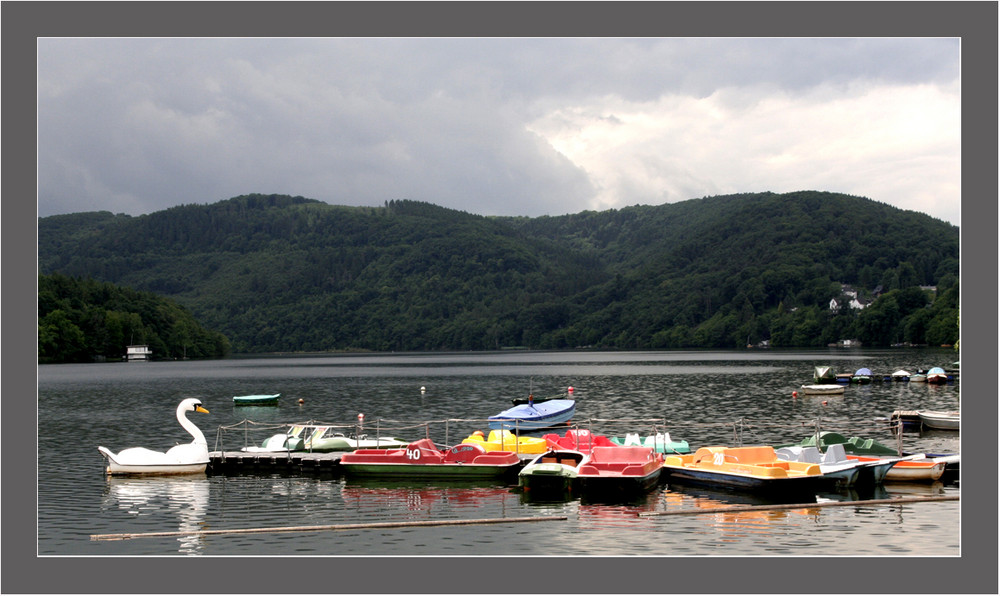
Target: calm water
700,395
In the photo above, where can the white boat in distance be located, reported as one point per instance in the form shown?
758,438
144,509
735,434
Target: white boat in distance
939,420
830,389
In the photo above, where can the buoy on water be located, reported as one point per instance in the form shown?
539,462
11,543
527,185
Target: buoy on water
423,389
301,401
795,393
824,402
570,390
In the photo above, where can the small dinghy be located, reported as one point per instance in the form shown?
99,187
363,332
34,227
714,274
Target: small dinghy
938,420
256,400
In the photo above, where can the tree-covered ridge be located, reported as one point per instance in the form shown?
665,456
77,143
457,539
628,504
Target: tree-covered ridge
278,273
82,320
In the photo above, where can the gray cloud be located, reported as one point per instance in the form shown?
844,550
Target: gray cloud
491,126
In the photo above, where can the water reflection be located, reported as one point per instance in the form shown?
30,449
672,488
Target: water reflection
713,509
426,496
185,498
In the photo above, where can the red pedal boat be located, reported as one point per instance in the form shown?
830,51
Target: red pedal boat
422,459
618,470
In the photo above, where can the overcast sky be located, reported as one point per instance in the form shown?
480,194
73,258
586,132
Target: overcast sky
496,126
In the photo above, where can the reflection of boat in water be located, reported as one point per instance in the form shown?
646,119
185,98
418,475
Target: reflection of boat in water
717,506
186,497
418,495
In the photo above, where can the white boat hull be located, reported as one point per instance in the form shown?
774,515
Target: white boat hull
939,420
116,468
927,474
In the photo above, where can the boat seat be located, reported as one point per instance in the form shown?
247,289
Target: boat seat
802,454
834,454
752,455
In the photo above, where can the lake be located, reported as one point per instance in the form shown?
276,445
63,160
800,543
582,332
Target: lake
702,397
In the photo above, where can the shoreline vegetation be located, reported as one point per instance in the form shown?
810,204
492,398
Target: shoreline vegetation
279,274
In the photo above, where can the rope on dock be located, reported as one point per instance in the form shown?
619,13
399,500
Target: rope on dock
334,527
740,508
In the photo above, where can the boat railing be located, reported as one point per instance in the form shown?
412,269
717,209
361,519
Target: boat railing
449,431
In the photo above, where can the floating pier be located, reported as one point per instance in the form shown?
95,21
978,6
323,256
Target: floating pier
292,462
224,463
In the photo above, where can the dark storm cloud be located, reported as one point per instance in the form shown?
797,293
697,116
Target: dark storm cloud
491,126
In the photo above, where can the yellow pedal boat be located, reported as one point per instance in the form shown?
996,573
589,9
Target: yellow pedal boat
754,469
504,440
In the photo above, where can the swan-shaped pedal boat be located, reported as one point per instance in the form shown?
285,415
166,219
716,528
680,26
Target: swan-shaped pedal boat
190,458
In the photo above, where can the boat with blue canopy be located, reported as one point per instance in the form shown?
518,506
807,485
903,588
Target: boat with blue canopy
532,416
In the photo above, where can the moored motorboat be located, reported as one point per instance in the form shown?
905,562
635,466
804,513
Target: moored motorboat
422,459
552,473
659,442
824,389
937,376
862,376
753,469
900,376
256,400
939,420
504,440
619,471
534,415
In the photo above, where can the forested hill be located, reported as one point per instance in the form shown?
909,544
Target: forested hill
279,273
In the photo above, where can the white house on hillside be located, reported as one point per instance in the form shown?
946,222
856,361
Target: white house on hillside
849,295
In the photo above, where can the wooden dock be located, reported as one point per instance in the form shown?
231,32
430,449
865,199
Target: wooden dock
294,462
224,463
